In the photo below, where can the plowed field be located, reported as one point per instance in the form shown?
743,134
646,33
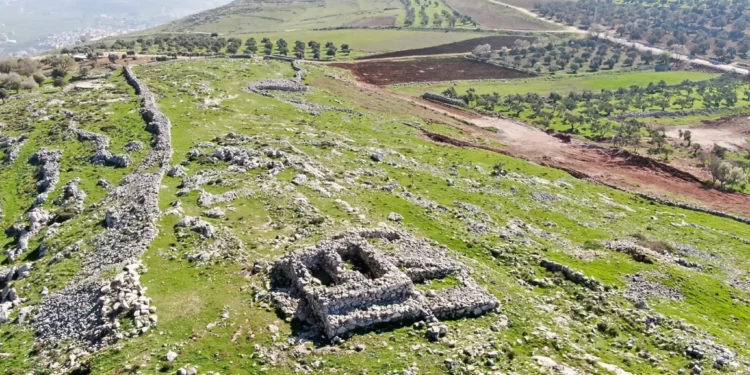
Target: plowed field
384,73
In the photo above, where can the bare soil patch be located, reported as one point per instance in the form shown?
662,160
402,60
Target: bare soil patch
495,16
464,46
373,22
383,73
527,4
730,132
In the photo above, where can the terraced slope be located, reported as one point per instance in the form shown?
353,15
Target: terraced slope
588,279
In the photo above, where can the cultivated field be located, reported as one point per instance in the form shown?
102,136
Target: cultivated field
427,70
465,46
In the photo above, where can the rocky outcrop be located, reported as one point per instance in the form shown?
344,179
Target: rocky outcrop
570,274
101,142
12,147
72,197
347,283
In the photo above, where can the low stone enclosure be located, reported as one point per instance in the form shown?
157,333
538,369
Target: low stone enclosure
365,278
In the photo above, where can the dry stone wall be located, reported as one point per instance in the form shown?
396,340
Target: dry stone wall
443,99
88,312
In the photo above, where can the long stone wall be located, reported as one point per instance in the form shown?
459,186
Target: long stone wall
443,99
88,312
693,207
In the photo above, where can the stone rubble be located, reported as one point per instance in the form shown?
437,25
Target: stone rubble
287,85
49,173
90,311
73,197
639,288
197,225
133,146
38,218
347,284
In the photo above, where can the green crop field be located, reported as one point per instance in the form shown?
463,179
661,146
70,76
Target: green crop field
562,83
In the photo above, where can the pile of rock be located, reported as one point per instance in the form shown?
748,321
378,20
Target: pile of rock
347,284
693,207
315,108
639,289
637,252
49,172
133,146
156,122
89,312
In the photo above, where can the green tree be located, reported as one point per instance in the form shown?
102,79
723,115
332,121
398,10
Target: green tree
687,135
3,94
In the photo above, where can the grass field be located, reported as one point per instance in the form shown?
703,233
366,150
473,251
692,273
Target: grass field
562,83
369,41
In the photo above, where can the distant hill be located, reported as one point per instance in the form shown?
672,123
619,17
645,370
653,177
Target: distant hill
30,25
257,15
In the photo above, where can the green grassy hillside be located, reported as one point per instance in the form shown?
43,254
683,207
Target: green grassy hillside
363,158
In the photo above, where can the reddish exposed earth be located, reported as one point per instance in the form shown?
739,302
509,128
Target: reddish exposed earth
607,166
391,72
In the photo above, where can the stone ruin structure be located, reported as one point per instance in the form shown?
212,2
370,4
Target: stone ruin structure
364,278
287,85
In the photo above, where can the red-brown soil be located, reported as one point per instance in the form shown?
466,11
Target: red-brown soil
582,160
611,167
464,46
383,73
373,22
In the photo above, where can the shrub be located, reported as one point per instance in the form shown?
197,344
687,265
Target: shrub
59,82
39,78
